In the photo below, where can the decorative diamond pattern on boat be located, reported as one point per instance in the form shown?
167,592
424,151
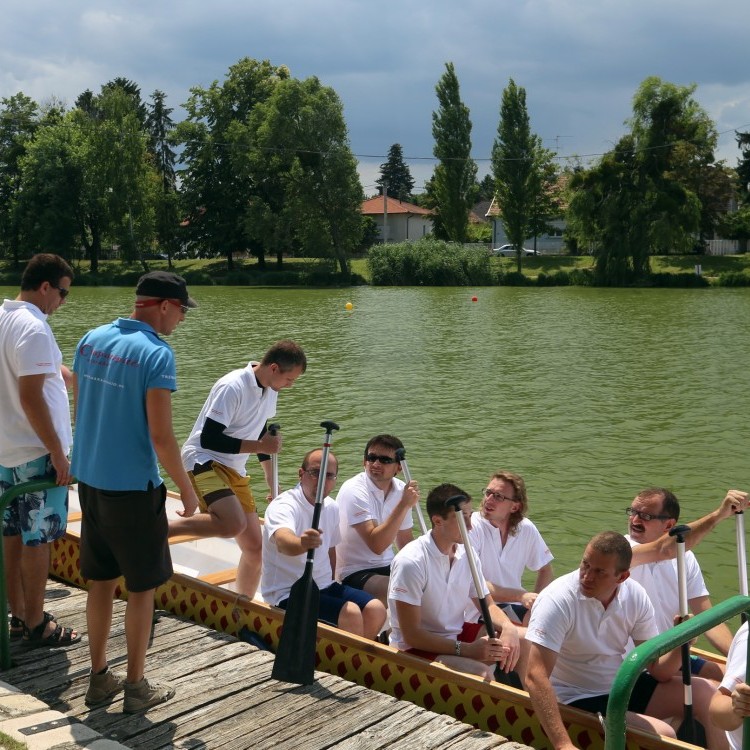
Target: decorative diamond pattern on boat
379,669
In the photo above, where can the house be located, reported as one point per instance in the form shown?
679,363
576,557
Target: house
398,221
551,243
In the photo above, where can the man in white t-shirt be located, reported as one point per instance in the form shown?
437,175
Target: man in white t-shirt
508,543
375,508
731,702
288,536
429,587
578,634
34,444
651,514
231,426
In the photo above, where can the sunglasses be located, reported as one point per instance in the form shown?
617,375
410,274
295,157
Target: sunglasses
63,292
371,458
488,493
179,304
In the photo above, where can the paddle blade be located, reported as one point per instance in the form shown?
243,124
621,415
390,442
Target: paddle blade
295,656
690,730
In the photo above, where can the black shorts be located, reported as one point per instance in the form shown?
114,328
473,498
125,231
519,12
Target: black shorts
643,690
361,577
125,534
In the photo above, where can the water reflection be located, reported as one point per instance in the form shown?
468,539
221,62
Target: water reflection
590,394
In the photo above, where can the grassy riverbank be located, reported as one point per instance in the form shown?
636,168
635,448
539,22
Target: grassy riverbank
722,270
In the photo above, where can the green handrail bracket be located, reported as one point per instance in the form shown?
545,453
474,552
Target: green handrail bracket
35,485
637,660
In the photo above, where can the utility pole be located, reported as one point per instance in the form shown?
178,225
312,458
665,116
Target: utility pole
385,213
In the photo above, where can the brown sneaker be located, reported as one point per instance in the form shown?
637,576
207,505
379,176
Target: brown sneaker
140,696
104,687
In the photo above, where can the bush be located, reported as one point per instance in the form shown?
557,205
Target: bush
428,262
559,278
733,278
514,278
677,280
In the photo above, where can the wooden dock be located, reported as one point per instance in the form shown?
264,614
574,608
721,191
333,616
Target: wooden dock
225,695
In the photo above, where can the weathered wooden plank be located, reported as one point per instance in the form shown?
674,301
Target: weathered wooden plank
226,698
389,731
220,577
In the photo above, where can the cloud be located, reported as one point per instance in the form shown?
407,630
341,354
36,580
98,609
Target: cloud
580,61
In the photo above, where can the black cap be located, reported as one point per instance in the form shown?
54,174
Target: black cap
164,285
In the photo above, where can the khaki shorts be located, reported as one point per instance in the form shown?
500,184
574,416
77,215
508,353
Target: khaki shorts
213,481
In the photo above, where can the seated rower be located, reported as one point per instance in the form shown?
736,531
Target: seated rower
731,702
508,543
375,508
653,513
578,634
429,587
287,537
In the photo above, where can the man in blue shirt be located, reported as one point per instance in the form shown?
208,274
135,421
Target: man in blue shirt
124,375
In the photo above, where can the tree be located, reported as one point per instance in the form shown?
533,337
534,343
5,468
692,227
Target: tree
524,172
216,194
160,126
48,208
452,183
656,192
395,176
306,188
18,123
486,188
743,167
119,182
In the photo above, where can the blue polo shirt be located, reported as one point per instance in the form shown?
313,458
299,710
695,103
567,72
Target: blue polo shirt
115,365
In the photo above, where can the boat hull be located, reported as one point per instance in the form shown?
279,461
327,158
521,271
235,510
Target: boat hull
489,706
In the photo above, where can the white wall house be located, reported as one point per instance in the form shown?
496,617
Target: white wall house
397,220
546,244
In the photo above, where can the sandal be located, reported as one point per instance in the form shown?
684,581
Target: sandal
15,629
60,636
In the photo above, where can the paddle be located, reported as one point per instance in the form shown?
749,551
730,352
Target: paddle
295,656
401,458
273,429
741,556
689,730
455,502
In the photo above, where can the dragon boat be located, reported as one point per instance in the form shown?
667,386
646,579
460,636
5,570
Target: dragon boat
201,590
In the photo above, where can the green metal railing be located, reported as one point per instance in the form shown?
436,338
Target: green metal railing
637,660
10,494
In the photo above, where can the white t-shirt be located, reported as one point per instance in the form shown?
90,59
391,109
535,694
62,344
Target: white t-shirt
504,566
28,347
237,401
291,510
422,575
590,641
736,666
359,500
660,581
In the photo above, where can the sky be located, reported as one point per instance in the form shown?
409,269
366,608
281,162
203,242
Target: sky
580,61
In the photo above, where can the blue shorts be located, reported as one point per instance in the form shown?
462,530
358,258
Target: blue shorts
37,517
332,601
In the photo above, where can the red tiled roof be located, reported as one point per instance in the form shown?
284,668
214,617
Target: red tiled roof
374,207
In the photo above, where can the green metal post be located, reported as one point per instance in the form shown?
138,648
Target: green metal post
34,486
637,660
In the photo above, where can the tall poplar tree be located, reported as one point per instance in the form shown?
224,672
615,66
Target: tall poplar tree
395,175
523,170
453,181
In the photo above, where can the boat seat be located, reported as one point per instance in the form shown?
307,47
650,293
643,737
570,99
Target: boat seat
75,516
220,576
184,538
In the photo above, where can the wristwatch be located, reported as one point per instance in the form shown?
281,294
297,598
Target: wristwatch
458,648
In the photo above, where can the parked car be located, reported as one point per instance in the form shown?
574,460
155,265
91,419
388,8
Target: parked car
509,251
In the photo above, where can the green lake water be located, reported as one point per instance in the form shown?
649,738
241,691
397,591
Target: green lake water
590,394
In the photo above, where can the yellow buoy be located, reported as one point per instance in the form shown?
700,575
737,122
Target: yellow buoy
349,306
